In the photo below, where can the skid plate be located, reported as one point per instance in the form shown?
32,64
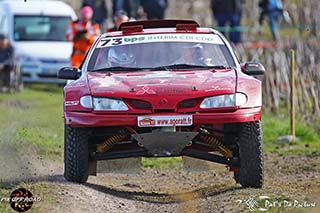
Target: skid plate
164,143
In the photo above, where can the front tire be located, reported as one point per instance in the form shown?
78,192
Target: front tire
76,154
251,155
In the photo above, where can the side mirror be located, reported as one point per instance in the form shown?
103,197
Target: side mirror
253,68
70,73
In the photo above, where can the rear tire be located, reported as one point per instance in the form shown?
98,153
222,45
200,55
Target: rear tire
251,155
76,154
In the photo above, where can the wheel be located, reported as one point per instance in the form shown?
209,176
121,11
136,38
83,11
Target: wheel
76,154
251,155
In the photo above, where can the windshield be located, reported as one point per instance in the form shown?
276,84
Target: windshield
40,28
164,50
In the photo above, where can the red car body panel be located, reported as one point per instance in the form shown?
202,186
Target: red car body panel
153,88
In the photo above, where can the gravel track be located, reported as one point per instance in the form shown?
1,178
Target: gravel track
213,189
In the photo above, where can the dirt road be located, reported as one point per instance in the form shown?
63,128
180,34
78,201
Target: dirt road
173,189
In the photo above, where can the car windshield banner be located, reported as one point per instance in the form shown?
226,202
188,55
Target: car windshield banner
173,37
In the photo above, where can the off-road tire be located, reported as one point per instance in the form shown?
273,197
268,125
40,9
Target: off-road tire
251,155
76,154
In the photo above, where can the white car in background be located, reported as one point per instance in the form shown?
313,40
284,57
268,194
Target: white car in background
37,29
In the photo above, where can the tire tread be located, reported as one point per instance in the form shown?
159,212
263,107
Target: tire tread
76,158
251,155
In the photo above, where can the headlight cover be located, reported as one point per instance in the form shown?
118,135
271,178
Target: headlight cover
219,101
86,101
100,104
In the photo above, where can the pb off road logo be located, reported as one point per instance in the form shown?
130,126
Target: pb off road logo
21,200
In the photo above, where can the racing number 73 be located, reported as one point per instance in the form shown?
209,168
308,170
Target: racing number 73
115,41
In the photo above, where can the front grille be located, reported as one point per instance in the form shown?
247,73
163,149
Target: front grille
138,104
26,74
189,103
47,75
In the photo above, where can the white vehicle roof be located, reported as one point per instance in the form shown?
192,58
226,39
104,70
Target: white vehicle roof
43,7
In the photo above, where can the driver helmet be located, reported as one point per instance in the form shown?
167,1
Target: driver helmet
196,52
121,56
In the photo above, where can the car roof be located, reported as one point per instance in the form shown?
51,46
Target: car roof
44,7
200,30
160,26
159,23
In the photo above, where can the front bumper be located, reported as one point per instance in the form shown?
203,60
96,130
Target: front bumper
88,119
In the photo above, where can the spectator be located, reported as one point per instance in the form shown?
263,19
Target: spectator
228,12
100,11
82,33
6,63
273,9
119,18
155,9
129,6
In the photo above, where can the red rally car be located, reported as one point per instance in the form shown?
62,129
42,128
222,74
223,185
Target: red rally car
161,89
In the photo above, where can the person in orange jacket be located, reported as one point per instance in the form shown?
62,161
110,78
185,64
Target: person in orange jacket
82,33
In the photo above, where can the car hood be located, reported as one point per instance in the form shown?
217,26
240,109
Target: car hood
163,83
41,49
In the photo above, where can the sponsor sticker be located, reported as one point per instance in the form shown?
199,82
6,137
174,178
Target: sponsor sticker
71,103
173,37
160,121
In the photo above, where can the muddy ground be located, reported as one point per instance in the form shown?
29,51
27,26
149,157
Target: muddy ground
165,190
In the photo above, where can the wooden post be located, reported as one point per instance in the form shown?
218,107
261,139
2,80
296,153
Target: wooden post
292,95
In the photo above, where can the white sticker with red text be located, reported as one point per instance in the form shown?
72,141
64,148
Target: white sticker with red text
159,121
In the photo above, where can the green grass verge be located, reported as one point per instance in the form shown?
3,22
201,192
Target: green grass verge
276,125
34,117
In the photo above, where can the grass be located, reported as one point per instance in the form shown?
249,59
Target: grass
34,118
276,125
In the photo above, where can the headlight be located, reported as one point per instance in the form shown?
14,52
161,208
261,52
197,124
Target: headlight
86,101
231,100
109,104
241,99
